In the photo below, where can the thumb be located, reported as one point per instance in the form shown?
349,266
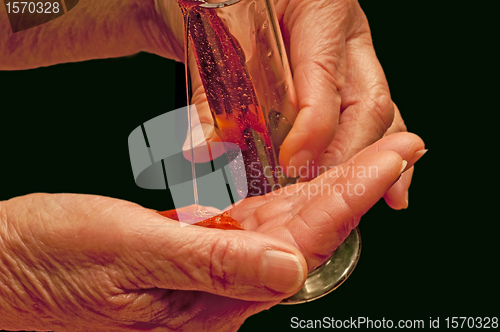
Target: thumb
238,264
198,146
318,63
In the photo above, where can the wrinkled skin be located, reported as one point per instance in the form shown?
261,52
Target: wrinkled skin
75,262
344,99
79,262
96,264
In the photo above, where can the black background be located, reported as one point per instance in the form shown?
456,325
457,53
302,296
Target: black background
65,129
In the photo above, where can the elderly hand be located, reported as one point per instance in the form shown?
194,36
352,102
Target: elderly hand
344,98
91,263
78,262
343,95
317,216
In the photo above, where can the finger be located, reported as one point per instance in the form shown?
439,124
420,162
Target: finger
336,205
238,264
363,179
317,57
411,148
397,196
202,144
367,108
272,209
405,144
408,145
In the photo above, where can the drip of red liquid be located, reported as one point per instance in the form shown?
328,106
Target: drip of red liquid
221,221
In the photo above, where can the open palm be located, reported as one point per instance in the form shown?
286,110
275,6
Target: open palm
102,264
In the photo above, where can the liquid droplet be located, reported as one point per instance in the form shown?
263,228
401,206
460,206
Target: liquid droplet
265,25
269,54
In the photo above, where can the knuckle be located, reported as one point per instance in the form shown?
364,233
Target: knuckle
224,263
350,218
381,107
330,67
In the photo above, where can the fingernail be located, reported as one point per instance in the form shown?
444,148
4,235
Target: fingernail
201,133
281,272
298,162
403,166
416,156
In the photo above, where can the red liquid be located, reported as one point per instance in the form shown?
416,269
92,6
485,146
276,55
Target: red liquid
221,221
230,93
